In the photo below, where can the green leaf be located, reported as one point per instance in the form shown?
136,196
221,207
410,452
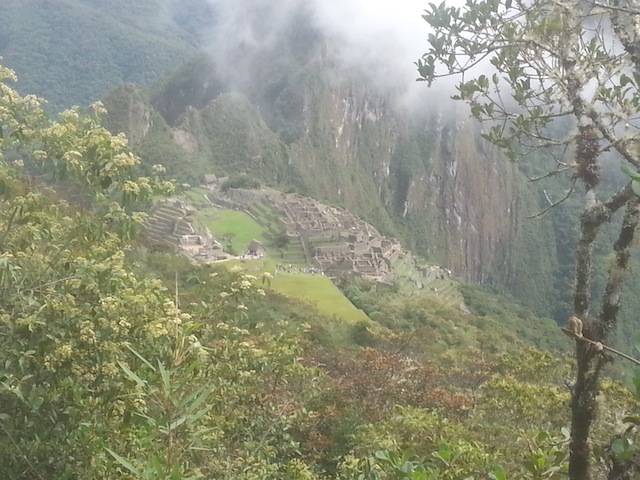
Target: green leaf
635,186
624,80
380,455
198,401
151,421
619,446
444,452
195,398
406,467
165,377
124,462
408,454
175,424
633,174
131,375
144,360
498,474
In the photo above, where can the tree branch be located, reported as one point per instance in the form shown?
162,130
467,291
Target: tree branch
556,203
617,271
590,222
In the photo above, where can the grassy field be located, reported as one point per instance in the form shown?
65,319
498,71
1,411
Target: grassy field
236,225
315,289
241,229
319,291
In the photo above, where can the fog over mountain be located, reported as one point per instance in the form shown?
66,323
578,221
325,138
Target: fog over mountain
384,37
379,39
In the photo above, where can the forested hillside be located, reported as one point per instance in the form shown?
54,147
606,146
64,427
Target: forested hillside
425,178
324,130
291,112
73,51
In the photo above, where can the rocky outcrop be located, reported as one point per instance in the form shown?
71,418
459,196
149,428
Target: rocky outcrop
130,112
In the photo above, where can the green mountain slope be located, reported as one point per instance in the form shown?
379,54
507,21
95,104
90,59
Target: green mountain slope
74,51
427,179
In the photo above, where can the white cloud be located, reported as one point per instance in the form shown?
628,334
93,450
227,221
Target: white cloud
381,38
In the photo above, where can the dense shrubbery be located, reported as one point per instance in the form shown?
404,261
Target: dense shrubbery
102,375
242,180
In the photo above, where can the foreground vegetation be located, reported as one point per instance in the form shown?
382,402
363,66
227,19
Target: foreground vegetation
117,362
582,98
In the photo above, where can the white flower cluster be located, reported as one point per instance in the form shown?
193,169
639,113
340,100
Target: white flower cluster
87,333
156,329
98,108
158,169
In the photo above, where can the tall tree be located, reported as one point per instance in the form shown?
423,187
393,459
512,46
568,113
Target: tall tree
553,64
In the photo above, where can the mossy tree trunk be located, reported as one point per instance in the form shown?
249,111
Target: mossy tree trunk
589,360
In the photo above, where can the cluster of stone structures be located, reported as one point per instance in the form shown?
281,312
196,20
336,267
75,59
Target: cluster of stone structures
335,241
172,224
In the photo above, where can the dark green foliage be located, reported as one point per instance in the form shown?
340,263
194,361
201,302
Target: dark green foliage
194,18
281,240
541,332
239,141
429,322
242,180
73,52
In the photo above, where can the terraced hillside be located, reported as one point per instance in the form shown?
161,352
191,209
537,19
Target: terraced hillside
303,236
168,222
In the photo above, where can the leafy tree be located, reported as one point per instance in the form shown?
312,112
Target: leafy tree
563,77
69,307
281,240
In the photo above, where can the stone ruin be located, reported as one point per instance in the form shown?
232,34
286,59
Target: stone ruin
171,224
